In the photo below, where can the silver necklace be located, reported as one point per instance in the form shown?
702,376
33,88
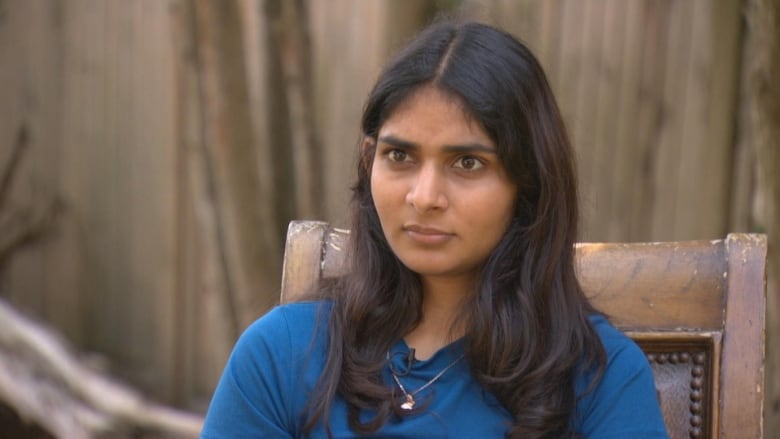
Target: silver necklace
409,402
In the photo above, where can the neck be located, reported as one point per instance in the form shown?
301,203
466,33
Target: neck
442,302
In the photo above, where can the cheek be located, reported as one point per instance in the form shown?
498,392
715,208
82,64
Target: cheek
380,194
386,187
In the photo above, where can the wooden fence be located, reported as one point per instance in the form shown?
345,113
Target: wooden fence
177,137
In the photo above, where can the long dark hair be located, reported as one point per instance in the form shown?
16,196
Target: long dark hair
528,333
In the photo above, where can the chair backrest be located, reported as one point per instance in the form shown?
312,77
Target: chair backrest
697,309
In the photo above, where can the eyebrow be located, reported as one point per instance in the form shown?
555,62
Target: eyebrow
461,148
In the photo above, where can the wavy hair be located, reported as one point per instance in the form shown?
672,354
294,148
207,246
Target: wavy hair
527,328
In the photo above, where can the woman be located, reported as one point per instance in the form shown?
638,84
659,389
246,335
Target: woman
461,315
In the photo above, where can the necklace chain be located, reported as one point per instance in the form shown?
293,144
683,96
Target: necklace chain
408,404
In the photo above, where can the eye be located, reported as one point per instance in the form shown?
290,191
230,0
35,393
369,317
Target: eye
397,155
469,163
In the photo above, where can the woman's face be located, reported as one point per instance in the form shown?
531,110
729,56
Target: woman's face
443,198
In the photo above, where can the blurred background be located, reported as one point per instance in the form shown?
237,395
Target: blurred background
152,152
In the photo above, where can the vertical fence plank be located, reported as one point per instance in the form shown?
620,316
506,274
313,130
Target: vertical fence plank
345,67
549,38
650,115
571,29
724,42
251,264
205,327
627,158
587,107
691,172
123,119
666,152
608,117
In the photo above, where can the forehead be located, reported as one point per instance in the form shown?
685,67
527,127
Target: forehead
430,112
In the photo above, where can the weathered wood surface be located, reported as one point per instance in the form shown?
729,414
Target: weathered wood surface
742,371
663,286
299,271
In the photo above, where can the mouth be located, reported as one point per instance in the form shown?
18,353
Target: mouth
426,235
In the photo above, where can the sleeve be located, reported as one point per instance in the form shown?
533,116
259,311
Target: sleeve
624,403
251,398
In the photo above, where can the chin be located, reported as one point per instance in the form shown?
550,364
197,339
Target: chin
426,267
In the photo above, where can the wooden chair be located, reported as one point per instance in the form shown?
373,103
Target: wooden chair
696,308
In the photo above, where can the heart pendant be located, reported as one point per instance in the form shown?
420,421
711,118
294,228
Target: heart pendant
409,404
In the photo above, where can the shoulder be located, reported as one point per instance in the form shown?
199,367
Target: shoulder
620,349
624,359
285,326
261,392
299,313
278,339
623,401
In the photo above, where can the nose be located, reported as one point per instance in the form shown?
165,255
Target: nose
427,191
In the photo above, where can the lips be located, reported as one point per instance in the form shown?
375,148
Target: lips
426,235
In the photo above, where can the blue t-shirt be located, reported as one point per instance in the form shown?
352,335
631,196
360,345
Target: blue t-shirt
267,382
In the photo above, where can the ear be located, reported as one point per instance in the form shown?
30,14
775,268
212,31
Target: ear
367,145
367,148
